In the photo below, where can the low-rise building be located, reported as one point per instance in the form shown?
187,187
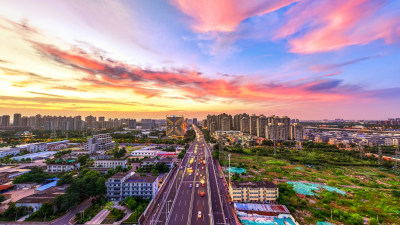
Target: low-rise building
27,185
111,163
100,156
253,191
9,151
153,161
62,167
36,200
123,185
143,153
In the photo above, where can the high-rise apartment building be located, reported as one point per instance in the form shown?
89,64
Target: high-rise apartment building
225,124
149,124
261,123
195,121
17,120
277,128
89,121
175,126
253,125
296,132
5,121
132,124
245,125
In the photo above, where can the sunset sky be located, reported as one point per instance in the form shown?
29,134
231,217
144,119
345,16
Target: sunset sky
303,58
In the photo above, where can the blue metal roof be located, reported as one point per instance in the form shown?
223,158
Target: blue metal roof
49,185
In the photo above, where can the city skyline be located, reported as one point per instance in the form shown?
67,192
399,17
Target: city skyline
156,58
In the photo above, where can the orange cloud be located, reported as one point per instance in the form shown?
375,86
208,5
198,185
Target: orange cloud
225,15
331,25
110,74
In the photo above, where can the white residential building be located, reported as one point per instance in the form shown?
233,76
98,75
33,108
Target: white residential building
143,153
34,147
111,163
58,168
123,185
9,151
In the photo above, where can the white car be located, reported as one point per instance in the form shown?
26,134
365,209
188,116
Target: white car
199,214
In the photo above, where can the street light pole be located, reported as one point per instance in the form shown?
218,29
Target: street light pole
229,155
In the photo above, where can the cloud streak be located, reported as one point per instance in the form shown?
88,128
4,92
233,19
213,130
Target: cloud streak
153,83
330,25
225,15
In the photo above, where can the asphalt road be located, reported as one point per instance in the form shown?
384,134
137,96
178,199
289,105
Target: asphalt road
180,204
165,198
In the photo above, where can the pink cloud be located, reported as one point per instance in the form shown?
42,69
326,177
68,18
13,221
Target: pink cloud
330,25
225,15
105,74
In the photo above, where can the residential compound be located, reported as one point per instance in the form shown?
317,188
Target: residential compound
175,126
21,122
99,142
33,147
352,138
272,128
250,191
123,185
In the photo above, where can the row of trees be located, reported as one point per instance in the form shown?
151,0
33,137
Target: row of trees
36,174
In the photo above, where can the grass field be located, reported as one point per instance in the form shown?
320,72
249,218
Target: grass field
371,191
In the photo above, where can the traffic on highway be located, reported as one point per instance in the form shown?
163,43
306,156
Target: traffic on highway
194,194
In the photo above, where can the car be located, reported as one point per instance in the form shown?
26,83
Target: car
203,184
190,186
202,193
199,214
190,174
197,185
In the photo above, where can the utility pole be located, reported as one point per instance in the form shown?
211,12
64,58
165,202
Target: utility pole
229,169
380,155
396,157
361,152
53,134
274,139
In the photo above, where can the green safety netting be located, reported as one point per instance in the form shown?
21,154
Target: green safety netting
323,223
278,221
236,170
307,188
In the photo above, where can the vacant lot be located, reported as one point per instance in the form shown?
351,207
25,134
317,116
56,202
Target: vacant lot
371,191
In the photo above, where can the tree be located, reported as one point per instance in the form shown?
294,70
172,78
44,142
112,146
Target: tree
131,203
45,211
35,175
2,198
66,178
373,221
83,159
267,143
215,154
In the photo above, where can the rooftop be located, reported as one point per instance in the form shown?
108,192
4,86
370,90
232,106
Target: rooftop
111,160
253,184
136,178
119,175
44,196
